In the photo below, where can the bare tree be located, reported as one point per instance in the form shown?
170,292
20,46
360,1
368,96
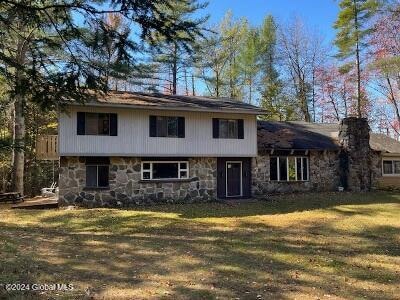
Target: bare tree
301,52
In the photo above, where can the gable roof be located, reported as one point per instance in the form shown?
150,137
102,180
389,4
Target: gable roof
312,136
160,101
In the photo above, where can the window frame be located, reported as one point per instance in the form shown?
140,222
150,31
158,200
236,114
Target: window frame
156,131
82,128
97,175
97,119
150,171
278,175
393,174
228,121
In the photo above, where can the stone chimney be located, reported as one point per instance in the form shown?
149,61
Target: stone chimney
356,154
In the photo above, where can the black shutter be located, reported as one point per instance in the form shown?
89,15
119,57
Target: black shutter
240,129
80,124
113,124
215,128
153,126
181,127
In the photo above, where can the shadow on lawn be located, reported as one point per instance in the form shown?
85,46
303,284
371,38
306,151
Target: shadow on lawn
276,205
186,259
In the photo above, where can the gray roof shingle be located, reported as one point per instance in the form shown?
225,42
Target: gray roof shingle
312,136
176,102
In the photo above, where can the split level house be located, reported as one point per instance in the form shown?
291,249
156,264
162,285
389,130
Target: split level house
127,149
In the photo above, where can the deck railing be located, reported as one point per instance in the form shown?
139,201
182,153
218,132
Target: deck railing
47,147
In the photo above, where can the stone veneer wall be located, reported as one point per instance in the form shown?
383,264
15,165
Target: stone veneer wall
127,189
323,169
361,161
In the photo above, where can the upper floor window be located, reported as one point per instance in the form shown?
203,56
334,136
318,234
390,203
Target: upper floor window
97,172
391,167
289,168
228,129
165,126
97,123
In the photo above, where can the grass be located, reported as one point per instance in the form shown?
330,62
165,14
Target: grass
326,246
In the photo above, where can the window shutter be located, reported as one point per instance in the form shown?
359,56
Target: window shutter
240,129
113,124
215,128
153,126
80,124
181,127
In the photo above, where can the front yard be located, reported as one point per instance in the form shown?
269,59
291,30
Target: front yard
328,246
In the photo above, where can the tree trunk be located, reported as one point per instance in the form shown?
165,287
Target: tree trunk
217,84
359,114
250,90
193,89
19,144
313,93
186,81
393,99
303,101
18,155
174,70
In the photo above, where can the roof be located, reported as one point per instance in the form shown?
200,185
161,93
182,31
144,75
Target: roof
382,142
295,135
174,102
312,136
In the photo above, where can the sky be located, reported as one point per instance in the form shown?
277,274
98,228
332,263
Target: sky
318,14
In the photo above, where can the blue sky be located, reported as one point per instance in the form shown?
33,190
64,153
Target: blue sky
318,14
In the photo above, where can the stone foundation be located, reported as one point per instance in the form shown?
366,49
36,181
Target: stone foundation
126,188
323,169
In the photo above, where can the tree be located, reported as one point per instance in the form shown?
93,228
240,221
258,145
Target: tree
233,37
353,29
248,60
385,42
43,54
219,65
271,85
335,93
176,56
300,51
104,40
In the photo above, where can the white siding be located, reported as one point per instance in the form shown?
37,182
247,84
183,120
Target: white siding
133,136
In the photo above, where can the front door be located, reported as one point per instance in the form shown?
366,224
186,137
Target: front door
234,179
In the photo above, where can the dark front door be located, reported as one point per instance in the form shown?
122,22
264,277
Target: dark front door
233,179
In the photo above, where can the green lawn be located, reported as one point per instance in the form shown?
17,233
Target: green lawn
327,246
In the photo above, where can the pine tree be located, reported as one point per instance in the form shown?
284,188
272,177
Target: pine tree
353,29
43,53
176,56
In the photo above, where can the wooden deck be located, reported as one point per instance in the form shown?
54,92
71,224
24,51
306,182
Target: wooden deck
37,203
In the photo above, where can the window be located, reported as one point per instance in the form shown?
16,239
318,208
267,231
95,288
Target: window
163,126
97,171
228,129
165,170
391,167
96,124
288,168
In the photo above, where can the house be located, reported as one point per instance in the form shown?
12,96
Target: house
136,148
301,156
